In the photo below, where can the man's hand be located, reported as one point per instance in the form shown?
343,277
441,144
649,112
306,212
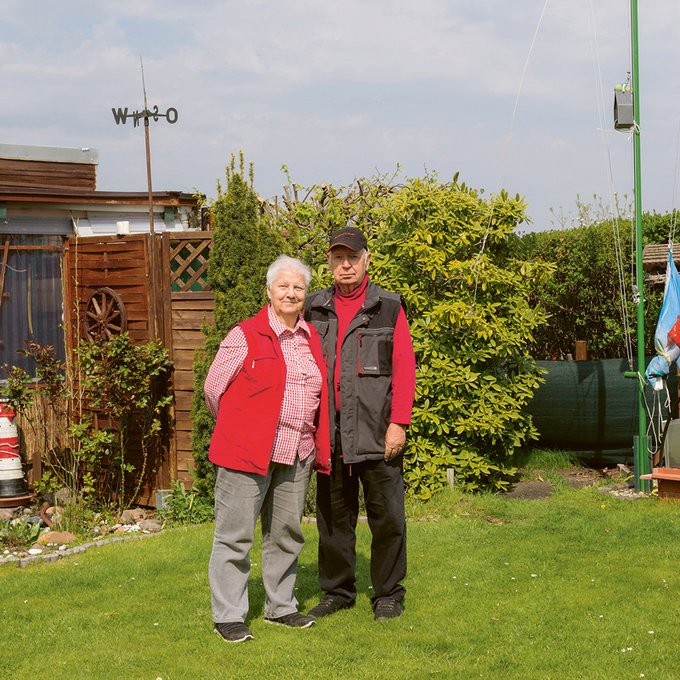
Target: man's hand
395,440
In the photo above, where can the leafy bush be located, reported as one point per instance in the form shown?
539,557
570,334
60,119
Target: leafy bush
18,533
453,257
187,507
583,297
451,254
125,384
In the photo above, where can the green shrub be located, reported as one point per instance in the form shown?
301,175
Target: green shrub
452,255
19,533
187,507
126,384
584,297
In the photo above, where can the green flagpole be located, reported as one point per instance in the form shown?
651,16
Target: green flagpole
642,463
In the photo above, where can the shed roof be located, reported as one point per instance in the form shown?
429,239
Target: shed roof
654,258
63,175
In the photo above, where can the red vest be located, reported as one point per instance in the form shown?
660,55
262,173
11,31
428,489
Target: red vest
244,433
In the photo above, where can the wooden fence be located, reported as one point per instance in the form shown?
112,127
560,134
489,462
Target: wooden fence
151,287
189,306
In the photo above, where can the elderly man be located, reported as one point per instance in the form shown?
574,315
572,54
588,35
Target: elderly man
267,389
371,373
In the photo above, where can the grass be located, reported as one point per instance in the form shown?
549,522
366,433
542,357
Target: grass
533,459
580,585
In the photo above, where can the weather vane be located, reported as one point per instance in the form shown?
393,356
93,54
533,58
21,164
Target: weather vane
122,115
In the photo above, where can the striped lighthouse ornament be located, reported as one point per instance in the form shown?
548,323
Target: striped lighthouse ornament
12,481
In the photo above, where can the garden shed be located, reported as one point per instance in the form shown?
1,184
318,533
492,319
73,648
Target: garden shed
158,283
67,248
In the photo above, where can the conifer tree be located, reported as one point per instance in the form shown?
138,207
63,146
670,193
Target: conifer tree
243,247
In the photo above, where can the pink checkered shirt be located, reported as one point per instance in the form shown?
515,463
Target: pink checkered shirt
295,429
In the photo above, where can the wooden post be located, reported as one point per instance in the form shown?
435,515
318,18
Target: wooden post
581,352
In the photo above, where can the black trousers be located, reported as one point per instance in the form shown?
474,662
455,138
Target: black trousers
337,514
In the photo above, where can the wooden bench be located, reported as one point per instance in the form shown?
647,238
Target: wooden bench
668,481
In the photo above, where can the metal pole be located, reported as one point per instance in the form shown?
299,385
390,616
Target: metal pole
148,153
152,238
642,461
148,170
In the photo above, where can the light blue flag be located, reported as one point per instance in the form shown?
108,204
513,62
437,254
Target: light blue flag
667,350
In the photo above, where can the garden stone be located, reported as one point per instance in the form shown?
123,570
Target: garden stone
151,525
132,516
54,514
51,557
56,537
62,497
6,515
35,551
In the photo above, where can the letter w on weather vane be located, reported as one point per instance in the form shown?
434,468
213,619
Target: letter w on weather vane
122,115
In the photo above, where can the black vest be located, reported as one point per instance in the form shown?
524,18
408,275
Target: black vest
365,368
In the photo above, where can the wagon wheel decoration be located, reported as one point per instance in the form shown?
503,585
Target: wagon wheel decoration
105,315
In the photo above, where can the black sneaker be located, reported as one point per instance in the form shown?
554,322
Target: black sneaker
294,620
329,605
235,631
387,608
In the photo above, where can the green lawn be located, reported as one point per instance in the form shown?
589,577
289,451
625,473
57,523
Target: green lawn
580,585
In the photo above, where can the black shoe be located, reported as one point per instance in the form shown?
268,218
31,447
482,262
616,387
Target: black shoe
235,631
329,605
294,620
387,608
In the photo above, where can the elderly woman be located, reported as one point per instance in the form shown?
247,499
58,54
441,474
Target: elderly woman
267,390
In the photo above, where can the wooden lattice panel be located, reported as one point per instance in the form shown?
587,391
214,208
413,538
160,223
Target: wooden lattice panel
189,264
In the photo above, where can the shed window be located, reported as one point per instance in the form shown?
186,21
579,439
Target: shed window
31,302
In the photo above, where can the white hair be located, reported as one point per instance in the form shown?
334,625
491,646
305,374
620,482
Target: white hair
283,263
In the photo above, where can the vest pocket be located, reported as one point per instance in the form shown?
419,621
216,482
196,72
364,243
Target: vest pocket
259,371
375,351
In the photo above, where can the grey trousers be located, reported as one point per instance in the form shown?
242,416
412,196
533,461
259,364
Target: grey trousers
240,497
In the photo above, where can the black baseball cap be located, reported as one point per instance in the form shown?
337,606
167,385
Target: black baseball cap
350,237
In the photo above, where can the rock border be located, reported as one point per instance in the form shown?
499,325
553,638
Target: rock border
23,562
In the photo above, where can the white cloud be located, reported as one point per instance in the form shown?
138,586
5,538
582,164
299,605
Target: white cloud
338,90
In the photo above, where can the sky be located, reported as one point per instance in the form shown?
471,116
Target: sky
513,95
